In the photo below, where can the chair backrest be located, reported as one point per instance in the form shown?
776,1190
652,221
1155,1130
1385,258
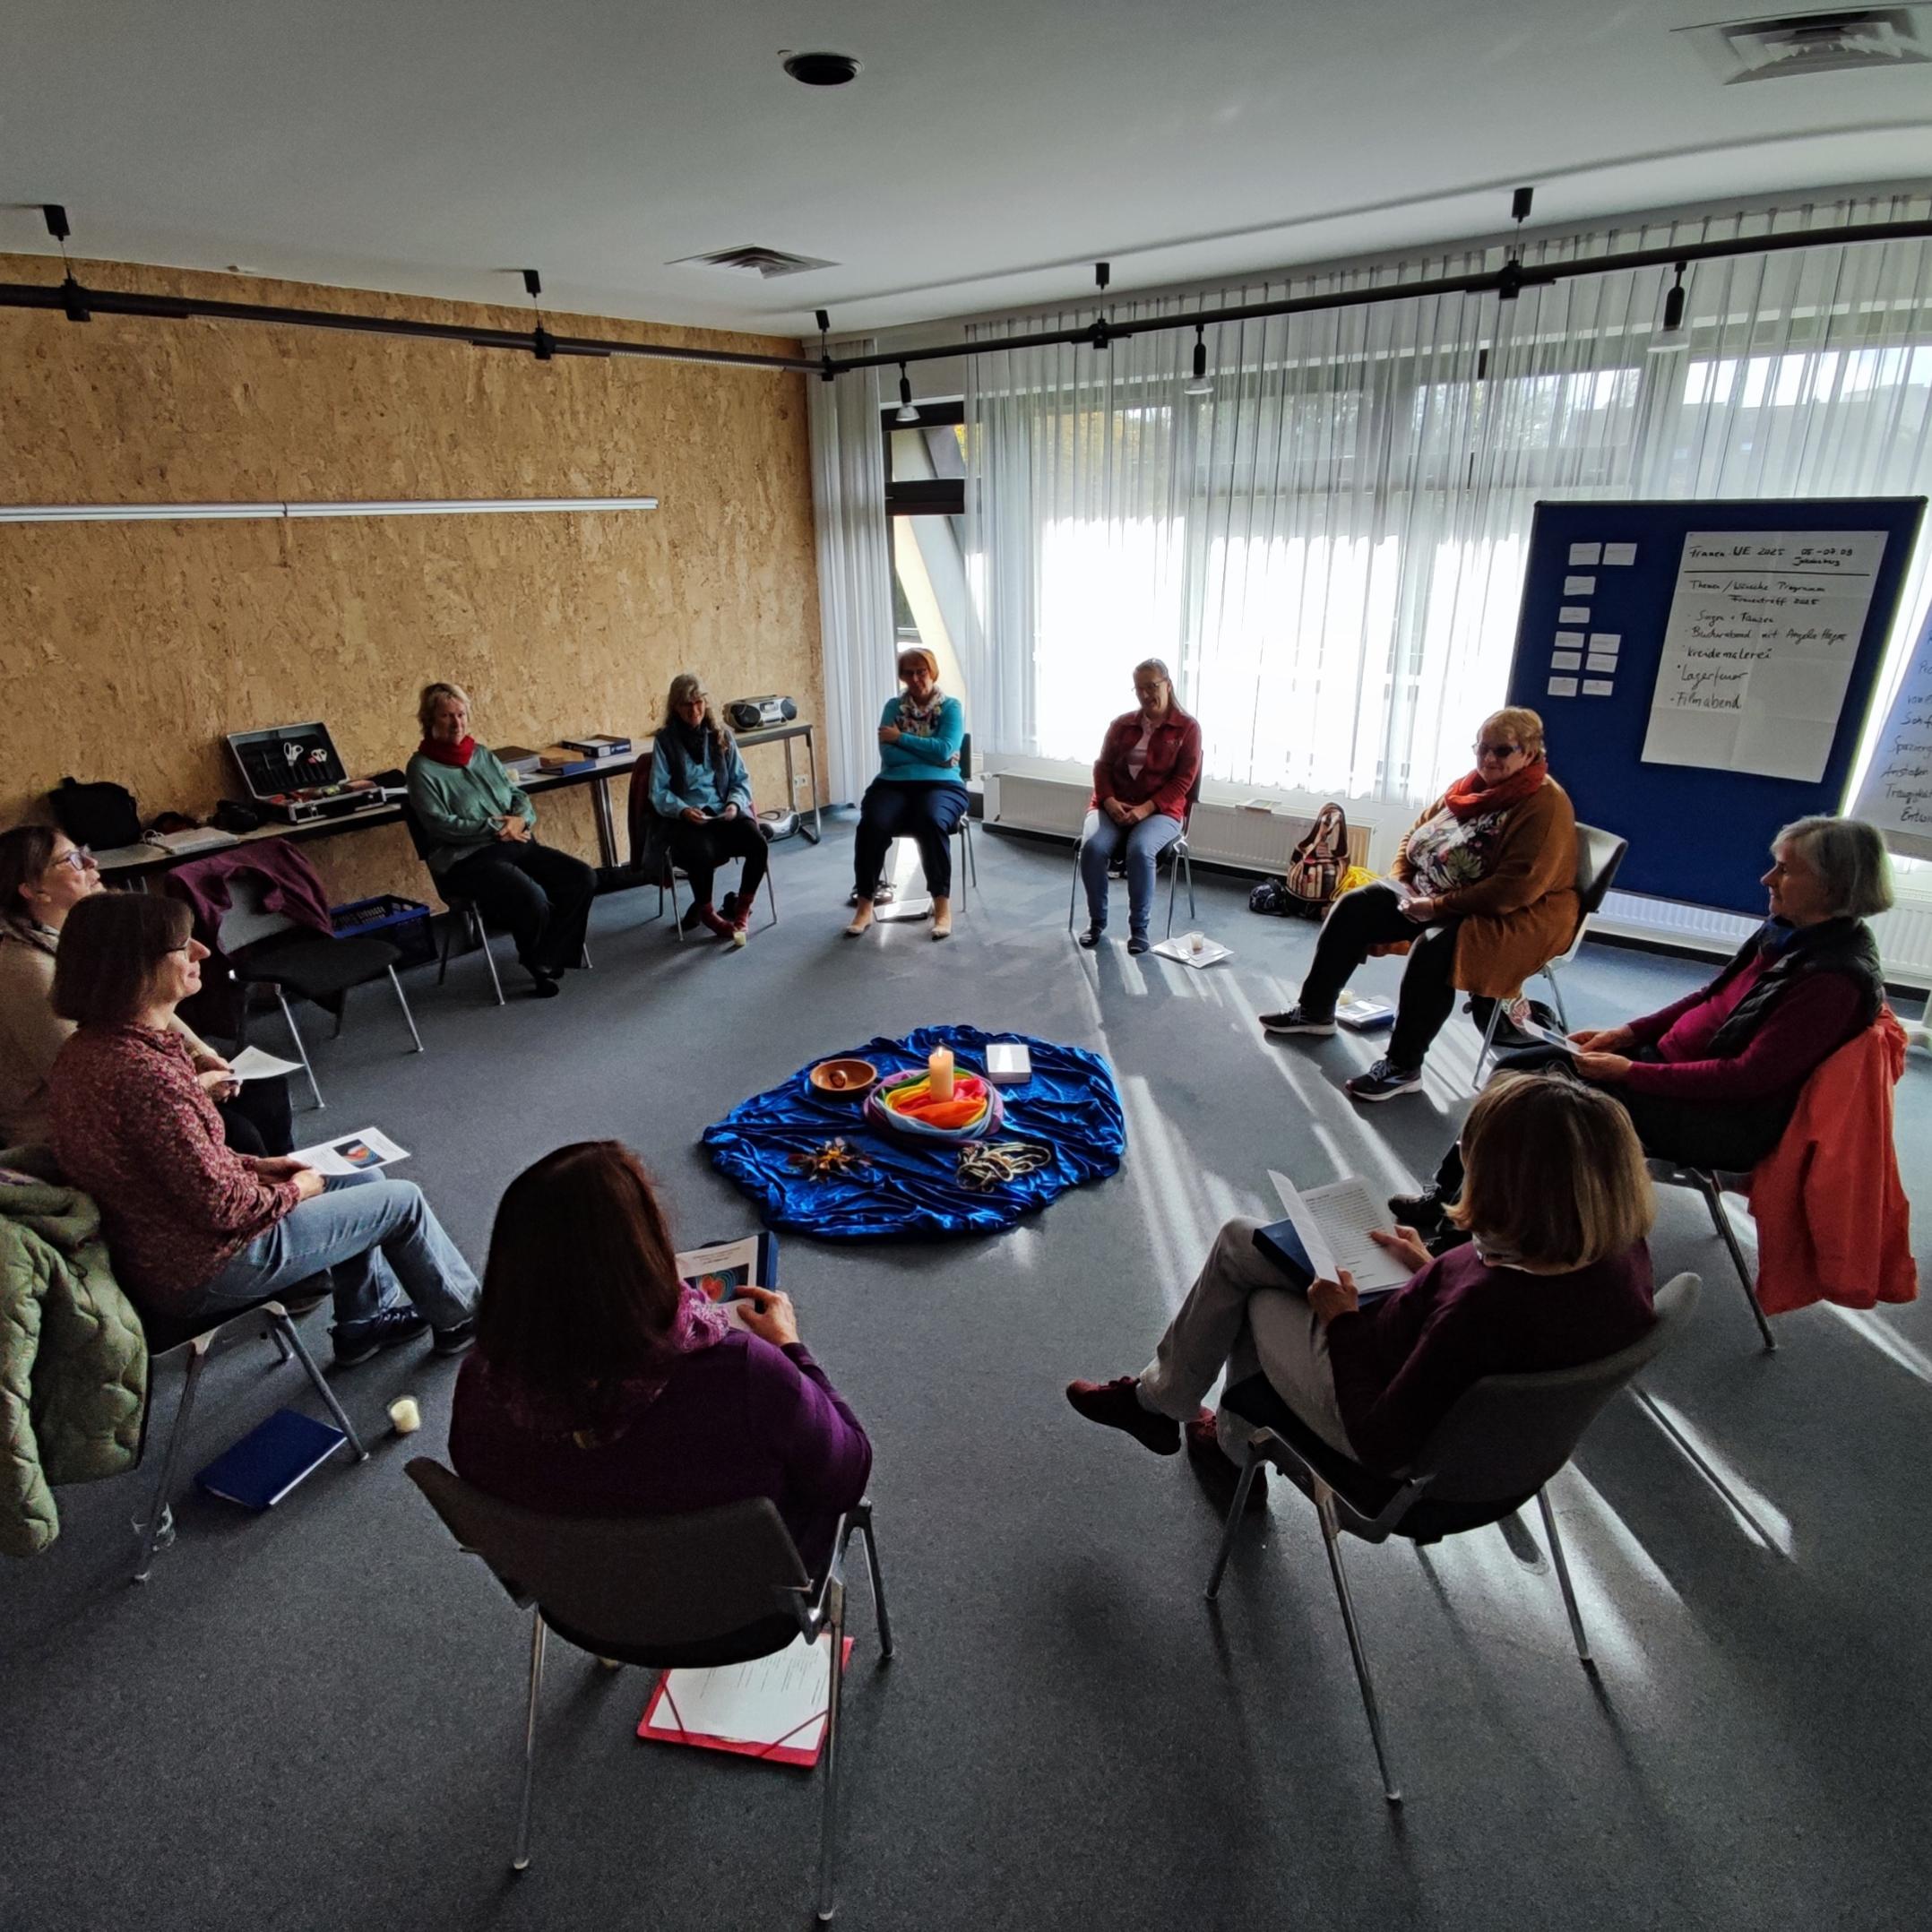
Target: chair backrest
639,1582
413,825
1508,1435
1598,854
966,754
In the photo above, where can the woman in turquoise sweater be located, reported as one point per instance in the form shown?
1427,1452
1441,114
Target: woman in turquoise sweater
917,794
481,831
700,788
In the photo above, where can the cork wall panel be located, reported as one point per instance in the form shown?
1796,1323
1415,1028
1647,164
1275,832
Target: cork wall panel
129,649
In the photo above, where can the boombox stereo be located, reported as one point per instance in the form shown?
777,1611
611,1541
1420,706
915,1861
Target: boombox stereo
753,714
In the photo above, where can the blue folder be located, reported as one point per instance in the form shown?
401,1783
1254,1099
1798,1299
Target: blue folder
270,1460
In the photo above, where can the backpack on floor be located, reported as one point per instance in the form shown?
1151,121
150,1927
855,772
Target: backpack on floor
1316,865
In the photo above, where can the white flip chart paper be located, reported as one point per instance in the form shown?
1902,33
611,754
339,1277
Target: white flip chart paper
1896,795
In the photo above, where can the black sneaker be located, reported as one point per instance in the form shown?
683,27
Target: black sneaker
357,1342
1295,1020
689,922
1423,1211
1383,1082
1092,936
542,986
1138,943
455,1340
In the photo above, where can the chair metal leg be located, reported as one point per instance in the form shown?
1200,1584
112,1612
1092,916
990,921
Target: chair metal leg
1174,886
341,1013
1488,1045
157,1507
1563,1577
282,999
864,1525
286,1331
283,1353
584,953
972,862
1187,860
449,934
482,935
397,985
1072,890
1714,1196
1555,995
828,1831
678,918
1325,1506
1235,1512
772,891
519,1861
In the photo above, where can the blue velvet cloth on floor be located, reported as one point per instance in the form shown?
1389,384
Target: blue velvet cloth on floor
1069,1106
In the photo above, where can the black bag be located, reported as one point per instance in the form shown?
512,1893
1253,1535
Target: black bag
1273,897
101,816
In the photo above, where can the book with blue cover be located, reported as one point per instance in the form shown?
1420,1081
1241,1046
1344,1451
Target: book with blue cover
270,1460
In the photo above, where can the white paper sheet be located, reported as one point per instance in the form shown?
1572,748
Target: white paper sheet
1566,661
1601,660
1569,640
1585,553
1562,687
1616,554
1334,1223
1193,949
1597,687
351,1154
251,1063
778,1699
1606,639
1758,650
1897,793
1579,586
1574,614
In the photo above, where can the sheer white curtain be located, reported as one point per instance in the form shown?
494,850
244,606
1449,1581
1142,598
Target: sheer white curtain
855,572
1329,548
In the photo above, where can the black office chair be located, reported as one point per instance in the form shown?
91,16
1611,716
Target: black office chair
1711,1183
1504,1439
168,1335
460,905
1176,851
697,1590
650,856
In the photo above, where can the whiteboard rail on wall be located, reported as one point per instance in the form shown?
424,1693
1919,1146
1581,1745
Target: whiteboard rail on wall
197,513
1703,672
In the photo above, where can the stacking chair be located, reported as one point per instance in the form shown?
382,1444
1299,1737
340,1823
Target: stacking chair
1598,854
1501,1444
169,1335
1177,852
461,907
650,856
708,1588
264,951
1711,1184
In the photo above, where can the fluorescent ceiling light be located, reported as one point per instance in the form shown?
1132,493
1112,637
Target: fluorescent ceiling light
199,513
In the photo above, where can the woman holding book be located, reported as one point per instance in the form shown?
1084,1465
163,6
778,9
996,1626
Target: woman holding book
918,793
43,876
1713,1079
1484,893
1557,1272
195,1229
480,829
608,1388
702,792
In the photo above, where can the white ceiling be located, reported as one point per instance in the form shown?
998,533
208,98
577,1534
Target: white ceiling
989,153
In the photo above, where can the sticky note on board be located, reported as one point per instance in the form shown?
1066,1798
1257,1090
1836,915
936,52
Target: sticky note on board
1566,661
1562,687
1579,586
1569,640
1605,640
1601,660
1615,554
1596,688
1585,553
1574,614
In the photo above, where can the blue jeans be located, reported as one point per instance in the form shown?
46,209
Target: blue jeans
365,1232
1101,839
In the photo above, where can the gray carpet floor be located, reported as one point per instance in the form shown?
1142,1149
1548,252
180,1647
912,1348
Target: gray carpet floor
312,1718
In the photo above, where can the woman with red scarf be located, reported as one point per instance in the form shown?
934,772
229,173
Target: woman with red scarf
480,828
1484,893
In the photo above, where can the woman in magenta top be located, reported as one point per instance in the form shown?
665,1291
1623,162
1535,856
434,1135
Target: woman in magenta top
1147,764
603,1386
1713,1079
1557,1272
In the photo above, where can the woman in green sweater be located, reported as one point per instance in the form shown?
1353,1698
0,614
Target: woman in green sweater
481,830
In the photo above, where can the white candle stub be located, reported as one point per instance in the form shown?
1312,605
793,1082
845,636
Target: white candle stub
405,1415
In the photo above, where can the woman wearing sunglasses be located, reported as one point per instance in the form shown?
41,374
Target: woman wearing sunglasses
43,876
1484,891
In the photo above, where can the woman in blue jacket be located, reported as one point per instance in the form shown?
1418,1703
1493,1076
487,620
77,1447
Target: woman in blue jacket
917,794
699,785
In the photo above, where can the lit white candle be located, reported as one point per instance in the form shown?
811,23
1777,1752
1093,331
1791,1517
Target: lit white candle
404,1415
939,1073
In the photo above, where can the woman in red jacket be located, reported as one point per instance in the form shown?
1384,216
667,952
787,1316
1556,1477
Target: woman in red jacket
1147,764
1557,1272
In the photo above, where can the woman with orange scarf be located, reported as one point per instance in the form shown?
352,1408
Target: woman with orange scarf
1484,892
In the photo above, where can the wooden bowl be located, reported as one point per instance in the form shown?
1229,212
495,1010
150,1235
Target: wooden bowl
845,1080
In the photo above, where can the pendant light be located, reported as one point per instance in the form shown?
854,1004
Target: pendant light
1201,384
1673,335
908,411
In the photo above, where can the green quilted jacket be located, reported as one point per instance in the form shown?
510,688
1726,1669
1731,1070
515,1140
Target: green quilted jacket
73,1364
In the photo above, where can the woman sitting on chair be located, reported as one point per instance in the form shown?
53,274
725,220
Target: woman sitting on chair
195,1229
607,1387
1712,1079
1147,764
699,785
1485,893
1556,1273
43,876
917,794
481,829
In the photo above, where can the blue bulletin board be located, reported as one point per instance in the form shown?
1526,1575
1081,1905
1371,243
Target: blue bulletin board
1767,621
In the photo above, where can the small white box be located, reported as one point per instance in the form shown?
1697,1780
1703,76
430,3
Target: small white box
1008,1064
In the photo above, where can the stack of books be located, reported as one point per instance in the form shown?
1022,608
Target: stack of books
519,760
585,754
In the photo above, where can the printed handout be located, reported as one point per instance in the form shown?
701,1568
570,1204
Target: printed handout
351,1154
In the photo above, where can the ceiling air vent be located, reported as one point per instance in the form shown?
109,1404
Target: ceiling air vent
765,262
1772,47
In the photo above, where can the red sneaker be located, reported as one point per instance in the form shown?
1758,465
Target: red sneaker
1218,1476
1114,1405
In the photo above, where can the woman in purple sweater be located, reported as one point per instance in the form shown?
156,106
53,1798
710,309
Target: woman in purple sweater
1556,1273
603,1386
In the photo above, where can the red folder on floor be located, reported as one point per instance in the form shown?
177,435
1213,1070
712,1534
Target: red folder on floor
774,1707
